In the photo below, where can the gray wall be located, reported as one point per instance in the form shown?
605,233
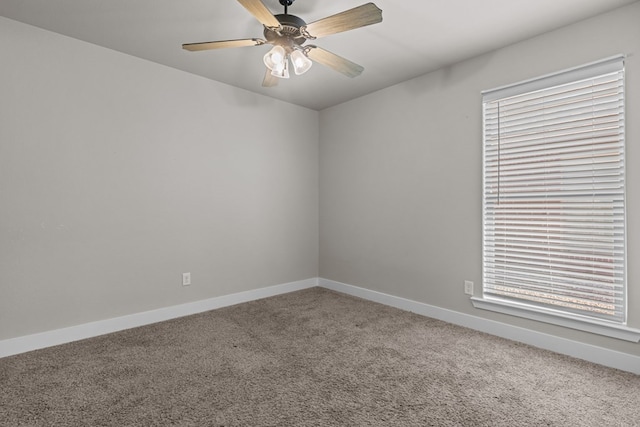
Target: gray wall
117,175
401,172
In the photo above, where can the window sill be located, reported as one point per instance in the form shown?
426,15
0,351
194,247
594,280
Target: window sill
556,318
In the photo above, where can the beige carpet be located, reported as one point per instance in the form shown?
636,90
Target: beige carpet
310,358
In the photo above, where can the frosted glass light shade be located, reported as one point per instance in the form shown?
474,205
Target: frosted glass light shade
275,58
301,63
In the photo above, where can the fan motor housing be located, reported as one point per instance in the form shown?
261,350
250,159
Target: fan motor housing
290,30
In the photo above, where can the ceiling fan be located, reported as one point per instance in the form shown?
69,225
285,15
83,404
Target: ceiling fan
287,33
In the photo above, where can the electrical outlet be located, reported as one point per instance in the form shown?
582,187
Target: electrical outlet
468,287
186,279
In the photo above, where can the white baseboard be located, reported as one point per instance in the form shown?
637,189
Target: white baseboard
26,343
591,353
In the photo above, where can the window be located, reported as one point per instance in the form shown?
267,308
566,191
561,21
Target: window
554,198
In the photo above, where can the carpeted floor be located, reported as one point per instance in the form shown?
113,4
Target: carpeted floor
310,358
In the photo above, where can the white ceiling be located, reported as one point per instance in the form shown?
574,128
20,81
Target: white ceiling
415,37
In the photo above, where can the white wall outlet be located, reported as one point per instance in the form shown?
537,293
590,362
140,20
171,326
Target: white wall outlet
468,287
186,279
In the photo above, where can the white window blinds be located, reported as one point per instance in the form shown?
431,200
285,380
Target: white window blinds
554,193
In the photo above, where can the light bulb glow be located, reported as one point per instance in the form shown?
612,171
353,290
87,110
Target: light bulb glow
277,54
275,57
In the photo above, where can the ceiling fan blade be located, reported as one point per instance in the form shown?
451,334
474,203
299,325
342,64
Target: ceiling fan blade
222,44
261,13
351,19
269,79
331,60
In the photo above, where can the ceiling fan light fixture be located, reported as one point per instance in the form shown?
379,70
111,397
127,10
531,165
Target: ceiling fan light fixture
301,63
275,58
287,33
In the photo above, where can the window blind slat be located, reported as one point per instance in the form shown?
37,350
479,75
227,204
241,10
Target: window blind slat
582,266
547,278
585,295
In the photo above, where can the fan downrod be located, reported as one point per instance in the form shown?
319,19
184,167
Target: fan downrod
286,4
